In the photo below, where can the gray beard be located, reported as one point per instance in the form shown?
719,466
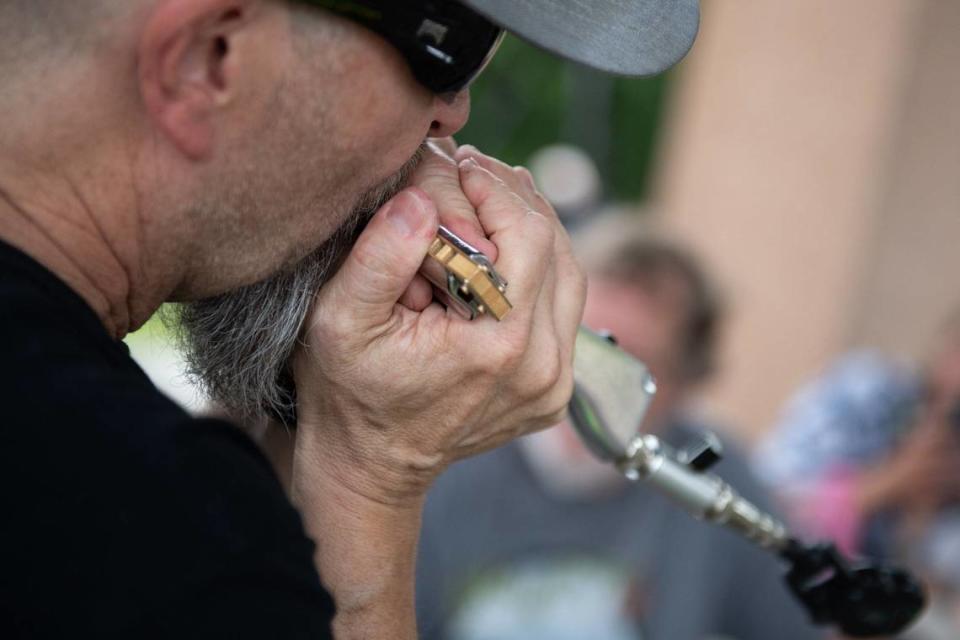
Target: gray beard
238,345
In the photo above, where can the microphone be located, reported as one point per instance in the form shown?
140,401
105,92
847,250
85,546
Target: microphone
611,395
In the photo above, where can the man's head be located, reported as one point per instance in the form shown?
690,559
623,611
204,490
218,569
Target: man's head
217,143
243,132
656,300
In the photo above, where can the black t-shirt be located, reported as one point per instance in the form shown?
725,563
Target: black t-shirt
120,516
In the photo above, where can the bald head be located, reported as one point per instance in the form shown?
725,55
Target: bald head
181,149
34,30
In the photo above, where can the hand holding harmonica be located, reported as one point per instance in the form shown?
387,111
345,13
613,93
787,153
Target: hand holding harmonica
389,393
464,277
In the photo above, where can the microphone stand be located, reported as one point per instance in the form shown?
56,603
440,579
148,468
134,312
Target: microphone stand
862,599
612,393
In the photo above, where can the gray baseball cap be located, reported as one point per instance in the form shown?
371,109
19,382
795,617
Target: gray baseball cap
626,37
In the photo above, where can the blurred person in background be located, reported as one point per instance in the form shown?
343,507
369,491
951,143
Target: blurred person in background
868,455
538,540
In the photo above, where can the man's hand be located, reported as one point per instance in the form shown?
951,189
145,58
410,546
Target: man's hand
439,177
388,395
392,387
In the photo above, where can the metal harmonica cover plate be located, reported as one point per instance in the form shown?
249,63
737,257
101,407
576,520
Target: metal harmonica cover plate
466,277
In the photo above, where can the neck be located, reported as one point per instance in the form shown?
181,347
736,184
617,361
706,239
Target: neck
70,197
73,240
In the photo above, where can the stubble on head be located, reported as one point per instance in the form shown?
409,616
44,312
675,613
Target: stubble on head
238,345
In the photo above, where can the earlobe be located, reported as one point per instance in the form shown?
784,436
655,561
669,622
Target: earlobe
183,69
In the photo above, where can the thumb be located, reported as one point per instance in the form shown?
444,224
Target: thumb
384,260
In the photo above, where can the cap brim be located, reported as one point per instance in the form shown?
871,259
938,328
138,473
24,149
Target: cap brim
626,37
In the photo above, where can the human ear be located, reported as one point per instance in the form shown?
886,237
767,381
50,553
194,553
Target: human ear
186,72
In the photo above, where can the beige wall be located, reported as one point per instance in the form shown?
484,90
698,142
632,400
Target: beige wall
913,276
812,159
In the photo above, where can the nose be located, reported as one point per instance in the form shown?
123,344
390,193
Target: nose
450,113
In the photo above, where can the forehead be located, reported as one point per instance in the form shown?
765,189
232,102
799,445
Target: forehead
643,319
661,294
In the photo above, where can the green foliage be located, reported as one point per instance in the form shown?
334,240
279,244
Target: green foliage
636,116
527,99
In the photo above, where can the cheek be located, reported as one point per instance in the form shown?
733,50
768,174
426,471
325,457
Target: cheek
388,113
390,144
397,118
393,128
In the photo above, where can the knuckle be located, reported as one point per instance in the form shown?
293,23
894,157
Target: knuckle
577,278
331,328
366,256
542,388
564,386
543,205
511,357
517,201
548,418
539,228
373,271
525,176
508,353
483,156
557,401
485,183
499,183
570,272
555,418
541,383
551,372
539,223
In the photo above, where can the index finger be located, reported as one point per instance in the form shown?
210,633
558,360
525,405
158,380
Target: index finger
525,237
439,177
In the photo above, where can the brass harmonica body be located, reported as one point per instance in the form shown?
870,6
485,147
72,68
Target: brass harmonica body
465,278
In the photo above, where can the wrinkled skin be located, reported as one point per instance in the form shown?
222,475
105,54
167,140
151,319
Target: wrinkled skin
448,388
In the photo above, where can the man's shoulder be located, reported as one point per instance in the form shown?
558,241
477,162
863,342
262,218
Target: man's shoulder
115,528
119,509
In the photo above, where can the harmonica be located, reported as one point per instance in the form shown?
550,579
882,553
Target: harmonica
465,277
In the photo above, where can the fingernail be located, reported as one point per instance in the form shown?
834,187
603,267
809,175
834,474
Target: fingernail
469,164
406,213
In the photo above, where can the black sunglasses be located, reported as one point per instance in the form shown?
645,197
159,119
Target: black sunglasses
445,43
